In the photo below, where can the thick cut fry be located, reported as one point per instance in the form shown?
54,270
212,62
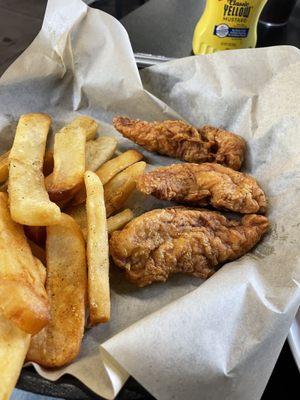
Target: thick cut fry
97,251
119,220
98,151
118,189
86,124
59,342
37,251
69,161
42,270
108,170
118,164
29,200
14,344
4,167
4,164
79,214
23,298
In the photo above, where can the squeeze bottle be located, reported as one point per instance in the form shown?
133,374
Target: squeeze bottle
227,25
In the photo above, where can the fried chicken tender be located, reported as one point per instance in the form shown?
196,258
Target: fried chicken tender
205,184
167,241
179,140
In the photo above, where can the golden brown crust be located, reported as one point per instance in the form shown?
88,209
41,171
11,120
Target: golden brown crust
66,285
167,241
23,298
179,140
205,184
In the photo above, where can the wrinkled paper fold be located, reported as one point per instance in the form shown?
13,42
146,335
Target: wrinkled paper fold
186,339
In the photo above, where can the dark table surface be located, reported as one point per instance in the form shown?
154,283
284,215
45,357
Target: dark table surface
166,28
161,28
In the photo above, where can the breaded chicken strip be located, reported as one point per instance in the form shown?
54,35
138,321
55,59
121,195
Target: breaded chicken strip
167,241
179,140
205,184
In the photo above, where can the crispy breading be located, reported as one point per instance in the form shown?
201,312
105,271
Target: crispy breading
180,140
167,241
205,184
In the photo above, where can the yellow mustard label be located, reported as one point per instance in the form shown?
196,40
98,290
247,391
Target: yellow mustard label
227,24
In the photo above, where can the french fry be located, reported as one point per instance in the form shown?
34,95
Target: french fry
23,298
14,344
97,251
98,151
118,164
4,167
118,189
79,214
37,251
59,342
86,124
36,233
42,270
113,223
69,161
29,200
108,170
119,220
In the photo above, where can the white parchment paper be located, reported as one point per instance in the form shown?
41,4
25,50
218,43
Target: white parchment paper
184,339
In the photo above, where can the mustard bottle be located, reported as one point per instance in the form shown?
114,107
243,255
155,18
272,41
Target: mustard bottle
227,25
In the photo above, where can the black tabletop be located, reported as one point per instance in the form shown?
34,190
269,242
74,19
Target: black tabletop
166,28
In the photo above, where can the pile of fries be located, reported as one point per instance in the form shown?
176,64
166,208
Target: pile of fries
54,257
